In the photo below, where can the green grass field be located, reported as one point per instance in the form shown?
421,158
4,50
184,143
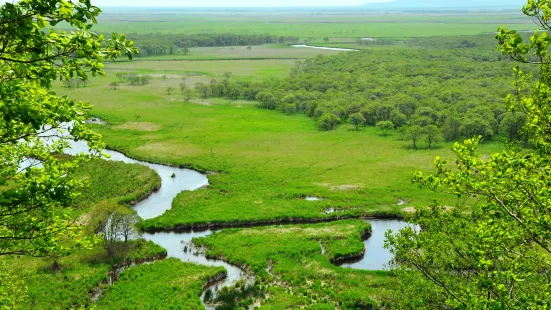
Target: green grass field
114,181
167,284
268,162
262,164
208,68
309,24
78,277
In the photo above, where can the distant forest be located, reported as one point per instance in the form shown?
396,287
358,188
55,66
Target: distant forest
444,88
171,44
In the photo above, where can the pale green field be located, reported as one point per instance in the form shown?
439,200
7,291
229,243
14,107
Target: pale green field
266,52
256,68
309,24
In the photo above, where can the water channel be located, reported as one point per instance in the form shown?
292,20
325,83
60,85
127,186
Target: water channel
325,48
179,244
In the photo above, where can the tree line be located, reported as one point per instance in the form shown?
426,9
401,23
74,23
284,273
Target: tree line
172,44
428,94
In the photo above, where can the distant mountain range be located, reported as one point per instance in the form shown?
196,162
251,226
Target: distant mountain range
446,4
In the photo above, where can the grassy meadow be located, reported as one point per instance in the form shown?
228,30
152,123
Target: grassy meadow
266,53
312,24
207,68
114,181
166,284
262,164
78,277
266,162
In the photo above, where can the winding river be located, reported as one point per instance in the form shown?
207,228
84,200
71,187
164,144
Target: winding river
179,245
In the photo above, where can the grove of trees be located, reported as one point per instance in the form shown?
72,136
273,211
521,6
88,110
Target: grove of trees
171,44
493,249
440,92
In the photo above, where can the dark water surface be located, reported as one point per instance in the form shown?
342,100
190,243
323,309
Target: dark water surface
376,257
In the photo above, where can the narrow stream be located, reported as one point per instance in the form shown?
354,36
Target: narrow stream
179,245
325,48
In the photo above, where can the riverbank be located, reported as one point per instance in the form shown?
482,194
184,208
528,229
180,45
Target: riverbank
294,271
182,245
264,175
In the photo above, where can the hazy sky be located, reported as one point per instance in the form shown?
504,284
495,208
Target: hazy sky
231,3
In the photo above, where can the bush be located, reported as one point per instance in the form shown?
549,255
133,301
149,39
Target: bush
328,121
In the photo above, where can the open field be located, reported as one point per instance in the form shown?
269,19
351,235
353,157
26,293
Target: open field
114,181
308,25
264,52
268,162
209,68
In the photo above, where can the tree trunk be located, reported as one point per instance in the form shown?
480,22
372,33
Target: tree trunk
55,266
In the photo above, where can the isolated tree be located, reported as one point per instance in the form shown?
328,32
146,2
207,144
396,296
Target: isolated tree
493,249
249,47
385,127
128,223
115,223
414,133
122,76
68,83
328,121
357,119
169,90
114,85
432,135
326,39
183,87
145,79
227,75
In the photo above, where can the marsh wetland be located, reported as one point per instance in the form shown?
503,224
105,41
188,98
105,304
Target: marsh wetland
261,157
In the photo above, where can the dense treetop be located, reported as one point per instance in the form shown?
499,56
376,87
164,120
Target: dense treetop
455,84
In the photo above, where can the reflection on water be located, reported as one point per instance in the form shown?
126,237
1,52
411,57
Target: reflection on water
179,245
376,256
